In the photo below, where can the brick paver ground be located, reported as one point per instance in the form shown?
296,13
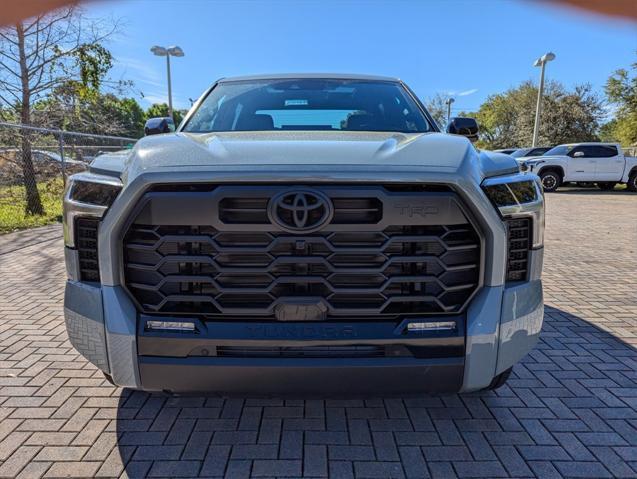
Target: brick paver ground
570,408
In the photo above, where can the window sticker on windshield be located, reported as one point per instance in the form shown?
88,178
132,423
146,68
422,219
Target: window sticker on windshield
295,102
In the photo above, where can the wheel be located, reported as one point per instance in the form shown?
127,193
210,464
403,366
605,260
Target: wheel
606,185
499,380
632,182
550,180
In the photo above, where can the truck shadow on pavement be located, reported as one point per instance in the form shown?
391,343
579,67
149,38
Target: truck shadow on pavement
593,190
569,409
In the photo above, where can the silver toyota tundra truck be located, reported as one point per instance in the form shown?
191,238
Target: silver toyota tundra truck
305,234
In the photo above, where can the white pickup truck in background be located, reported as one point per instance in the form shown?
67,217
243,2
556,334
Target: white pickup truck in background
601,163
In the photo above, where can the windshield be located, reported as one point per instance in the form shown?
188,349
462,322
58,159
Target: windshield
559,150
519,153
308,104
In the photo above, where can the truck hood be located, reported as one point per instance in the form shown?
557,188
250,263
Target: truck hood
299,148
311,151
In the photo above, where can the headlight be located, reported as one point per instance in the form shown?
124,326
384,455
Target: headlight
531,165
518,196
100,194
87,195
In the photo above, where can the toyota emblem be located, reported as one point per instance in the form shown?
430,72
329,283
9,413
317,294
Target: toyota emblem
300,211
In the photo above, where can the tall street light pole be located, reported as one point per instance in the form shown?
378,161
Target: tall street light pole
173,51
540,62
449,101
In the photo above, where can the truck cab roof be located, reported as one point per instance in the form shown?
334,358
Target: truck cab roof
334,76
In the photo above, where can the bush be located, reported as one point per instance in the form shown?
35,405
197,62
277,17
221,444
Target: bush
13,206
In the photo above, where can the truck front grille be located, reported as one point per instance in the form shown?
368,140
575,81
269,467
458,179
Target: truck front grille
363,263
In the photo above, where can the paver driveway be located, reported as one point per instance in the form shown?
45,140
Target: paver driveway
570,408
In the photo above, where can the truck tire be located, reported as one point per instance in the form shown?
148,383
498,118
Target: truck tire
606,185
499,380
551,180
632,182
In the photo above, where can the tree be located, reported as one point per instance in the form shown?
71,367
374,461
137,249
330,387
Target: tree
132,116
98,113
41,54
507,119
161,109
621,90
437,107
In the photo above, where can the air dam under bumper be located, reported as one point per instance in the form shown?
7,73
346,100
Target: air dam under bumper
243,357
301,376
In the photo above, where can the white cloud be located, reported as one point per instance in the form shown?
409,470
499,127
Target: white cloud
150,80
461,93
468,92
158,97
142,72
155,98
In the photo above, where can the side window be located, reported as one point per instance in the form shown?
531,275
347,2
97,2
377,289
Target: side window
605,151
581,152
537,151
593,151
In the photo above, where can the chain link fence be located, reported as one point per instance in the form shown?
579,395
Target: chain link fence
630,150
34,165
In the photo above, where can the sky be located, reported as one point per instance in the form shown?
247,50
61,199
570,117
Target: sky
468,49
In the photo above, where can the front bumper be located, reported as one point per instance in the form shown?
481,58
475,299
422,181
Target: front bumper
314,357
502,325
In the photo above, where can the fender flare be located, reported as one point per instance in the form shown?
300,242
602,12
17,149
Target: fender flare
557,168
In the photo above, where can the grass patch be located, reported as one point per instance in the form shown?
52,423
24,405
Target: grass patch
13,202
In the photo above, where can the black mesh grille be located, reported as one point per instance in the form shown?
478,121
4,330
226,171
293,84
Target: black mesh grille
86,243
396,271
519,237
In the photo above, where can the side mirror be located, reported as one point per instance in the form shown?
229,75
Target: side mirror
463,126
156,126
578,154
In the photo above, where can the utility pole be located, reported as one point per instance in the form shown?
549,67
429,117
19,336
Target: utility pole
449,101
540,62
170,91
173,51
